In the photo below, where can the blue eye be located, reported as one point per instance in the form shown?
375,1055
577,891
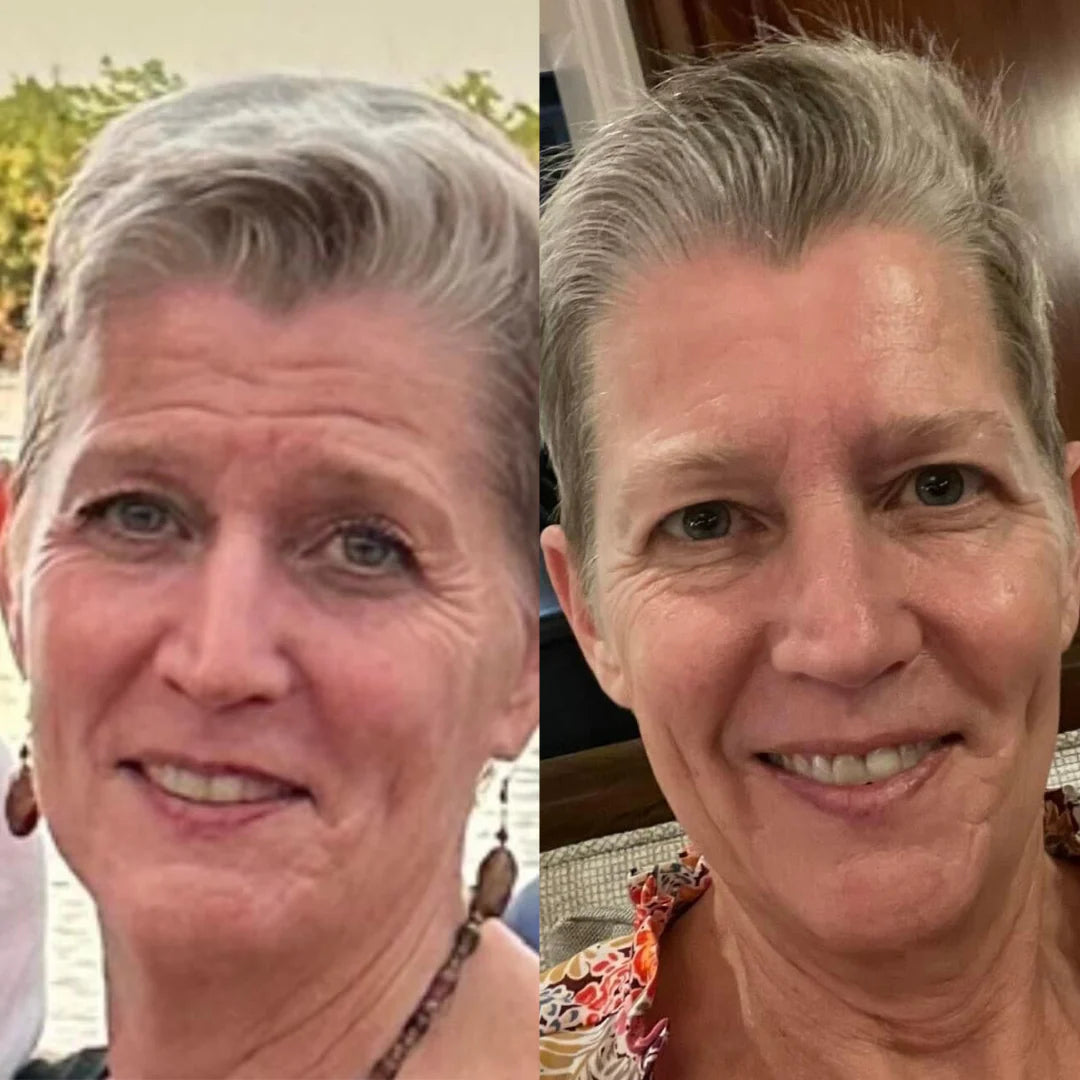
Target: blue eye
702,521
371,549
132,515
944,485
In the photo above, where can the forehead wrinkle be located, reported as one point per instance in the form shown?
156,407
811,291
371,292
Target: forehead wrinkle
312,471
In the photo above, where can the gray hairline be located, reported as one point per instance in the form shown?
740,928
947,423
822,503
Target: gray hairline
497,303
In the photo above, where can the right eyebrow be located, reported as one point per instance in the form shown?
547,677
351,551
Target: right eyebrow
680,457
935,431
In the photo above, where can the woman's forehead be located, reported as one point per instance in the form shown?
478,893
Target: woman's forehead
192,380
337,351
870,331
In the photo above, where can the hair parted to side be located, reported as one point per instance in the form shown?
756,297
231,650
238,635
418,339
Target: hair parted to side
765,148
289,187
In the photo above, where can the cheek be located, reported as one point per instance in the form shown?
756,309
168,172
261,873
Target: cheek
87,640
685,655
994,623
403,690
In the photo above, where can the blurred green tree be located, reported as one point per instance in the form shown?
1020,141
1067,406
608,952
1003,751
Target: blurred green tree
43,129
520,121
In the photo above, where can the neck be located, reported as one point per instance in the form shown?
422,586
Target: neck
328,1011
980,1001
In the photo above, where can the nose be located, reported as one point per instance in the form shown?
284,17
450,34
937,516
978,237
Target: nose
225,648
840,615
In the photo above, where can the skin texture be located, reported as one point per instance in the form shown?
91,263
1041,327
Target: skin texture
838,609
228,620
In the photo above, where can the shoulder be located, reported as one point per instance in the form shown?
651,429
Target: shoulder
503,1004
487,1028
594,1006
85,1065
587,1009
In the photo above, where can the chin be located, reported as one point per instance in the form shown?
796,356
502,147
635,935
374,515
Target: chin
188,911
885,902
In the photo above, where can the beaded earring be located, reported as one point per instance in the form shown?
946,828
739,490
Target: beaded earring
498,871
490,895
20,806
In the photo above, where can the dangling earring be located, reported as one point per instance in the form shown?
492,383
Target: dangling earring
498,872
490,895
20,807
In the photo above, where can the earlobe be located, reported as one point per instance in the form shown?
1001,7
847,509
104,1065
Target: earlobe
566,581
9,606
522,713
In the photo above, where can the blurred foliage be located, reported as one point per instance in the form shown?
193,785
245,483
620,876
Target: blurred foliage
520,122
44,127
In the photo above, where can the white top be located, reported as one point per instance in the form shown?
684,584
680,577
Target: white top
22,937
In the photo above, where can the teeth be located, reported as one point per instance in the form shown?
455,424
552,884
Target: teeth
216,788
885,762
847,770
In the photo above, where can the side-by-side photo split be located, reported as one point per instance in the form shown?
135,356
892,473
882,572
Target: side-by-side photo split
757,757
808,788
270,344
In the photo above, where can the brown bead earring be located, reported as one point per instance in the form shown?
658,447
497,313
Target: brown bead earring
490,895
498,871
20,807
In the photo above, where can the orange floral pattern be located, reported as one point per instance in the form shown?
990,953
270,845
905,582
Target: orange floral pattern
593,1022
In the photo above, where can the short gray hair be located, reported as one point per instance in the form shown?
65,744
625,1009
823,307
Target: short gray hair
765,148
288,187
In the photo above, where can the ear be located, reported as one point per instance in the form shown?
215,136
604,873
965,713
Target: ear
521,714
1071,585
565,575
9,595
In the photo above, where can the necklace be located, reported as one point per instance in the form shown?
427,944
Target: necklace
494,883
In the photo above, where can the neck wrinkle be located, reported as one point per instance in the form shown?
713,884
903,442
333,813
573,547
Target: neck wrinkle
330,1012
973,997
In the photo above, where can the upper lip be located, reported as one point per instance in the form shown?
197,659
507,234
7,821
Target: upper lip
833,747
212,767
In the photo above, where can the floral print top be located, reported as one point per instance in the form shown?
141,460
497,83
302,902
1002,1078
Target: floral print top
593,1007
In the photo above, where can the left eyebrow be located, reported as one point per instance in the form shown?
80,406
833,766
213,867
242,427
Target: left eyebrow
904,436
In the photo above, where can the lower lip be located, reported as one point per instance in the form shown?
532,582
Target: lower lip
208,818
861,801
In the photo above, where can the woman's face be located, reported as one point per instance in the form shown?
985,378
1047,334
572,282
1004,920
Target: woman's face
268,618
873,561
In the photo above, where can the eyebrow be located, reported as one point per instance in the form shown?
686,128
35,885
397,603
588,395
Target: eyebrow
885,443
938,431
148,457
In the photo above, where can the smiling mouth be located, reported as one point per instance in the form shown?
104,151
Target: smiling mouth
217,787
855,770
